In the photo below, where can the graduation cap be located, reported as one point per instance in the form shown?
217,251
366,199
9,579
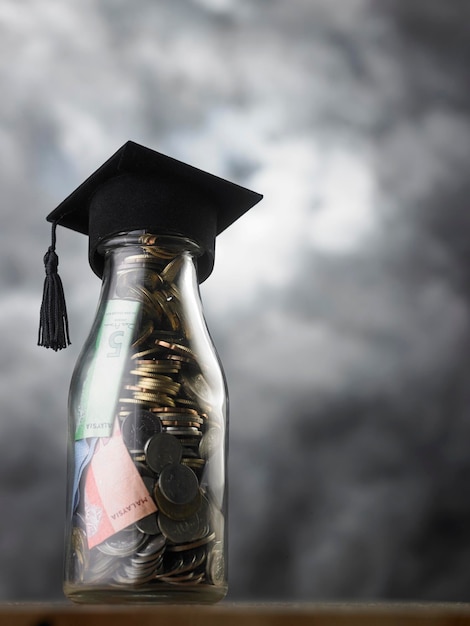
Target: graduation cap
139,189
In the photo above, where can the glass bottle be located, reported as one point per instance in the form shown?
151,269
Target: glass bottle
146,503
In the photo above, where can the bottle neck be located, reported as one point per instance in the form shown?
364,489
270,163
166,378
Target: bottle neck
158,272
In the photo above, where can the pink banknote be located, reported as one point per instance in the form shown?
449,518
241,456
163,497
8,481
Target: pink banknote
115,495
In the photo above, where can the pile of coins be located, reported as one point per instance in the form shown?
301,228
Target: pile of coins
170,429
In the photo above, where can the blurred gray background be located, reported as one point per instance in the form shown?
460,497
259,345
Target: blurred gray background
339,305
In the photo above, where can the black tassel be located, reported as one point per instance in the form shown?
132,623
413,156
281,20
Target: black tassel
53,322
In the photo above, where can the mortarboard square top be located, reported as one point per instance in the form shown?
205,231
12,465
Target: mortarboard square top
141,189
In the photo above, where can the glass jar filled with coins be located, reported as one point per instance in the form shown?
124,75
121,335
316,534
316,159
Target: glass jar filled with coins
146,488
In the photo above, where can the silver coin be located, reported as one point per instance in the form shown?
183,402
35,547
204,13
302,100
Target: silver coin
148,525
122,578
178,484
101,566
185,531
210,442
207,538
177,511
154,547
161,450
123,543
216,565
188,561
138,428
197,388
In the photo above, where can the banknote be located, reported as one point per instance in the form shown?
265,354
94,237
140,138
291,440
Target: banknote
115,494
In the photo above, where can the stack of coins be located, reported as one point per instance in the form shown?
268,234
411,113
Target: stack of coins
165,414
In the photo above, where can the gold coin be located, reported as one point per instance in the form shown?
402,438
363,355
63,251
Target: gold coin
160,252
157,366
152,279
155,363
147,331
172,269
139,401
154,397
132,388
146,294
155,372
148,240
175,409
159,388
166,305
174,347
188,403
193,463
159,380
138,355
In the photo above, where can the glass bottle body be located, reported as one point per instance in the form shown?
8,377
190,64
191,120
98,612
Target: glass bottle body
146,503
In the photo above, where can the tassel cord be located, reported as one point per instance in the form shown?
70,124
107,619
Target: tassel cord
53,321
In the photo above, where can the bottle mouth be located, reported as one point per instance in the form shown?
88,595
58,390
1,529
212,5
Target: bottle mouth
169,243
162,246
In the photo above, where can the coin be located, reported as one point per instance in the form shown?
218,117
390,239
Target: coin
149,525
150,549
178,484
161,450
174,410
195,464
148,239
156,365
102,566
184,431
154,398
168,368
176,512
210,442
160,252
175,347
149,481
181,424
204,540
178,358
185,531
144,334
184,566
196,387
159,383
172,269
179,531
80,551
216,565
187,403
148,352
123,543
138,428
165,301
152,279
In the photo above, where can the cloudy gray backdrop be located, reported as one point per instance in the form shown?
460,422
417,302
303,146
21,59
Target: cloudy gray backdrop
339,305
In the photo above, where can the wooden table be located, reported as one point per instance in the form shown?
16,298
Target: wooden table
227,614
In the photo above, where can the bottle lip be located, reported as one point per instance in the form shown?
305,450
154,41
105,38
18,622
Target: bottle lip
146,238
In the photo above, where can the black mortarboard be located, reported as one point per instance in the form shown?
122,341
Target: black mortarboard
140,189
